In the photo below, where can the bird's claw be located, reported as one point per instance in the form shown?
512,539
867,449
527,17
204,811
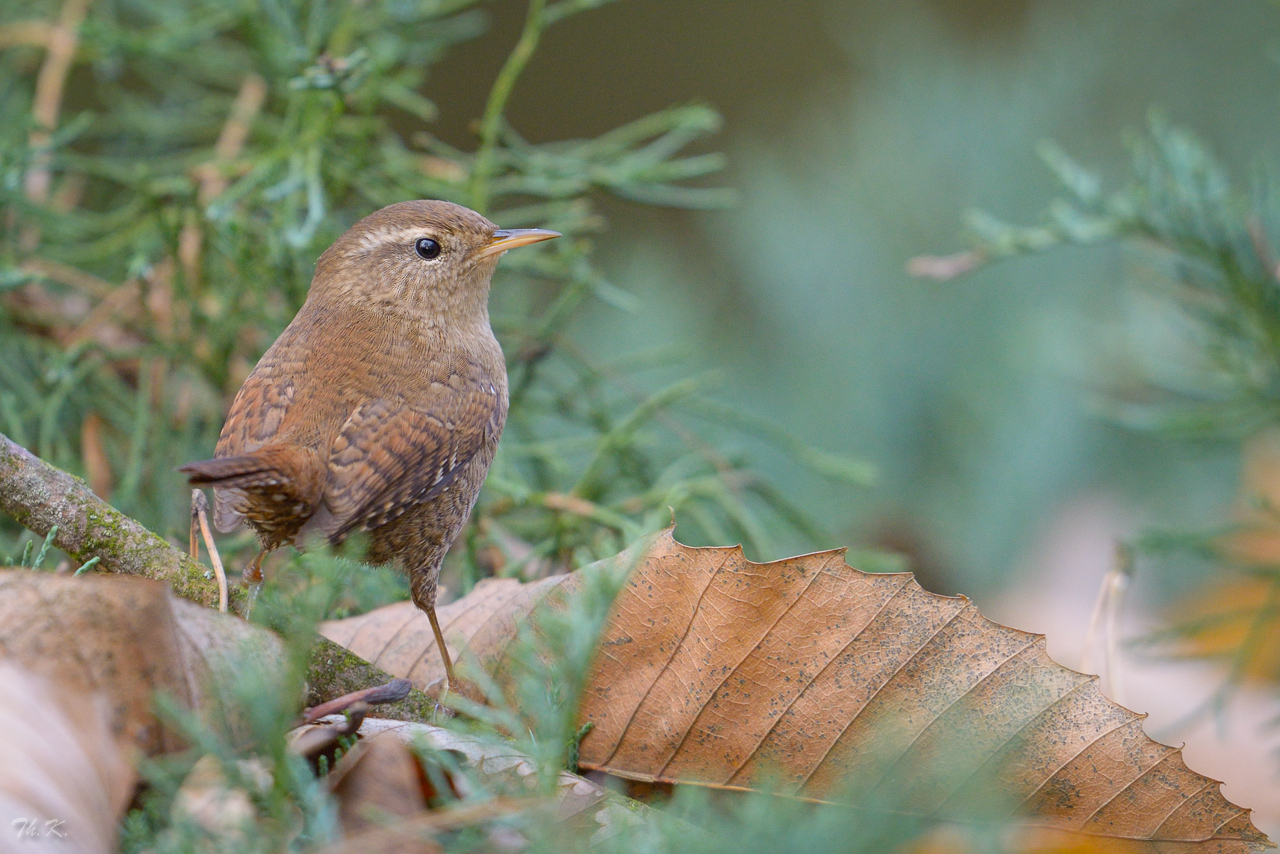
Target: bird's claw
441,711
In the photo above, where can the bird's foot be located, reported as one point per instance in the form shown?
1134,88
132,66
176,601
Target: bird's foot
251,581
439,691
251,596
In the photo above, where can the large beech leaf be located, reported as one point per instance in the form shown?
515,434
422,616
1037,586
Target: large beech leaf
828,683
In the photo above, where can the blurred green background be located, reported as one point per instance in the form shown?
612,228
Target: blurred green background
858,133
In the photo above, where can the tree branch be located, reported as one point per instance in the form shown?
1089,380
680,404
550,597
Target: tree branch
39,496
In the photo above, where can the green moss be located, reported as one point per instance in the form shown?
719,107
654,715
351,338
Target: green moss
333,671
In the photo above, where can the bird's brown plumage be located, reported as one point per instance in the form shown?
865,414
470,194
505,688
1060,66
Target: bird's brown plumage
380,406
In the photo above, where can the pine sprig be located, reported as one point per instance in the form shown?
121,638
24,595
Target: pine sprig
1215,244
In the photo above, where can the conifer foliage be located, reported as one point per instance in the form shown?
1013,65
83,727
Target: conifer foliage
169,172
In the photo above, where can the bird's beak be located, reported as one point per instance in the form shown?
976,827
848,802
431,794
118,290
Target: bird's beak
510,238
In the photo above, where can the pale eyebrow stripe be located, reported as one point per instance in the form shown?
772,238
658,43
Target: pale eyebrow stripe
383,236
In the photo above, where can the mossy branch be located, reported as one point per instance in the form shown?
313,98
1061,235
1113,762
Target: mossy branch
333,671
40,496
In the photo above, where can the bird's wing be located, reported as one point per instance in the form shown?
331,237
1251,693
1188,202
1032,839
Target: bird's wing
392,454
256,414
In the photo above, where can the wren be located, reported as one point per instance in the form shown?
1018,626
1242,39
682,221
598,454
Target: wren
380,406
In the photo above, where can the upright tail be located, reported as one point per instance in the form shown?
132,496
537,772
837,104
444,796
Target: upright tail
276,488
250,471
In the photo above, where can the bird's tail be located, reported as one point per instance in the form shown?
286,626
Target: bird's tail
274,480
250,471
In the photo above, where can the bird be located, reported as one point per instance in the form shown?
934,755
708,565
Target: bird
380,406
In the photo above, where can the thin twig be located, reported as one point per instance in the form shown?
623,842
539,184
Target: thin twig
392,692
1105,620
200,515
72,277
235,132
193,543
96,464
582,507
122,300
944,268
1121,575
1095,625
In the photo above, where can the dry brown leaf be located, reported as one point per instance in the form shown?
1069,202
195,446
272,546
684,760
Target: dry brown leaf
505,766
841,685
377,780
398,638
64,779
223,811
126,639
577,800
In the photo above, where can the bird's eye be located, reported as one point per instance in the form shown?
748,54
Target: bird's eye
427,248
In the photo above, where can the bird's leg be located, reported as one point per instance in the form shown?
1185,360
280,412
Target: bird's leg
195,525
444,650
252,575
251,579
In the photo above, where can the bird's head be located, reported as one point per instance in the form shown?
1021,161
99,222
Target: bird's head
430,258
